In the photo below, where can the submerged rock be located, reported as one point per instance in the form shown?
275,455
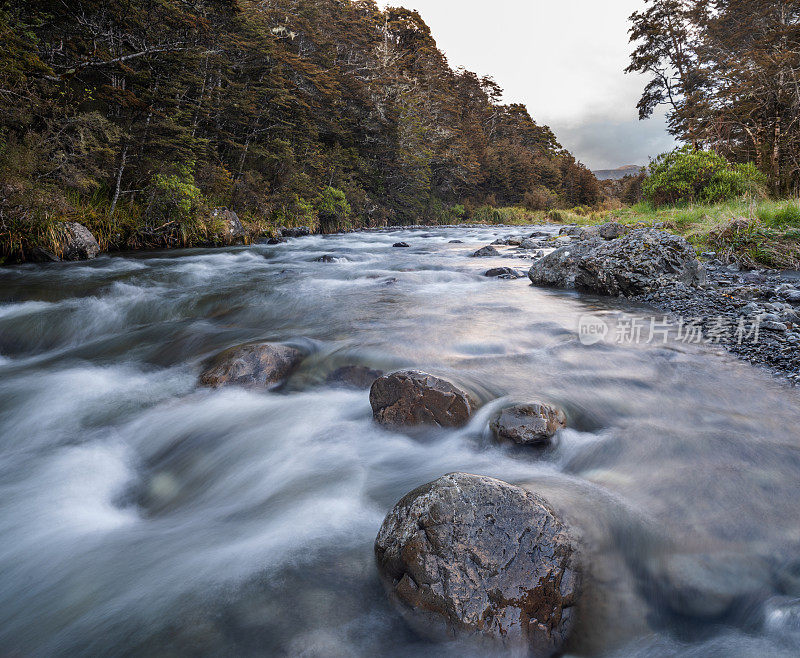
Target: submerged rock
257,365
467,555
360,377
409,397
638,262
528,424
329,258
489,250
401,244
78,243
503,273
707,585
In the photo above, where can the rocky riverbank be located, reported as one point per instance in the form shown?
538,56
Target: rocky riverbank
754,314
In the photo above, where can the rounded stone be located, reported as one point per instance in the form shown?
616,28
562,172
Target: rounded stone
468,555
502,272
78,242
410,397
256,365
528,424
486,251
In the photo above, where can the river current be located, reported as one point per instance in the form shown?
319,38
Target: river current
143,515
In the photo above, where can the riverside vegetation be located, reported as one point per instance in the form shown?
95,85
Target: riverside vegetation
138,119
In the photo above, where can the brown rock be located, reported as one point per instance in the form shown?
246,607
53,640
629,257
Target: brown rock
411,397
354,376
467,555
528,424
256,365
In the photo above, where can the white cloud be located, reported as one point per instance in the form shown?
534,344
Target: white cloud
564,59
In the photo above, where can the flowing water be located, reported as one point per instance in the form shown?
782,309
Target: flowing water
142,515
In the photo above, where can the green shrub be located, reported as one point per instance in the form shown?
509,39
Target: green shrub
333,209
736,181
297,211
175,197
688,175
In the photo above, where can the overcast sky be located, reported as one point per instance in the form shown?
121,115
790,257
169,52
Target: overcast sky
564,59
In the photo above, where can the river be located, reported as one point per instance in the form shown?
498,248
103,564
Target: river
142,515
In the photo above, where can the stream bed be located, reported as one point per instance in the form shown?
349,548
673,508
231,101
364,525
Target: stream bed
142,515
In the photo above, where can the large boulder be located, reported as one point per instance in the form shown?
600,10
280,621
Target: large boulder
231,230
257,365
409,397
639,262
559,268
78,242
533,423
472,556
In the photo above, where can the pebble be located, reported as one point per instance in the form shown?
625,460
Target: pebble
742,297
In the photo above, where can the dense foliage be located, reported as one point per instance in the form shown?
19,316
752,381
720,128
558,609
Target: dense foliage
728,72
122,113
688,175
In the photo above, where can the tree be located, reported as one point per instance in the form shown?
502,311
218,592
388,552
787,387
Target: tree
727,70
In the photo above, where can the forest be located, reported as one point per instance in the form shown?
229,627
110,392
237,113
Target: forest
137,118
728,74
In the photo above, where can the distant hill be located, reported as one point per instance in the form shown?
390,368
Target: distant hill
619,173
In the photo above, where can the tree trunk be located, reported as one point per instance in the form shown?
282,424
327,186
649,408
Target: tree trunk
118,186
776,157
